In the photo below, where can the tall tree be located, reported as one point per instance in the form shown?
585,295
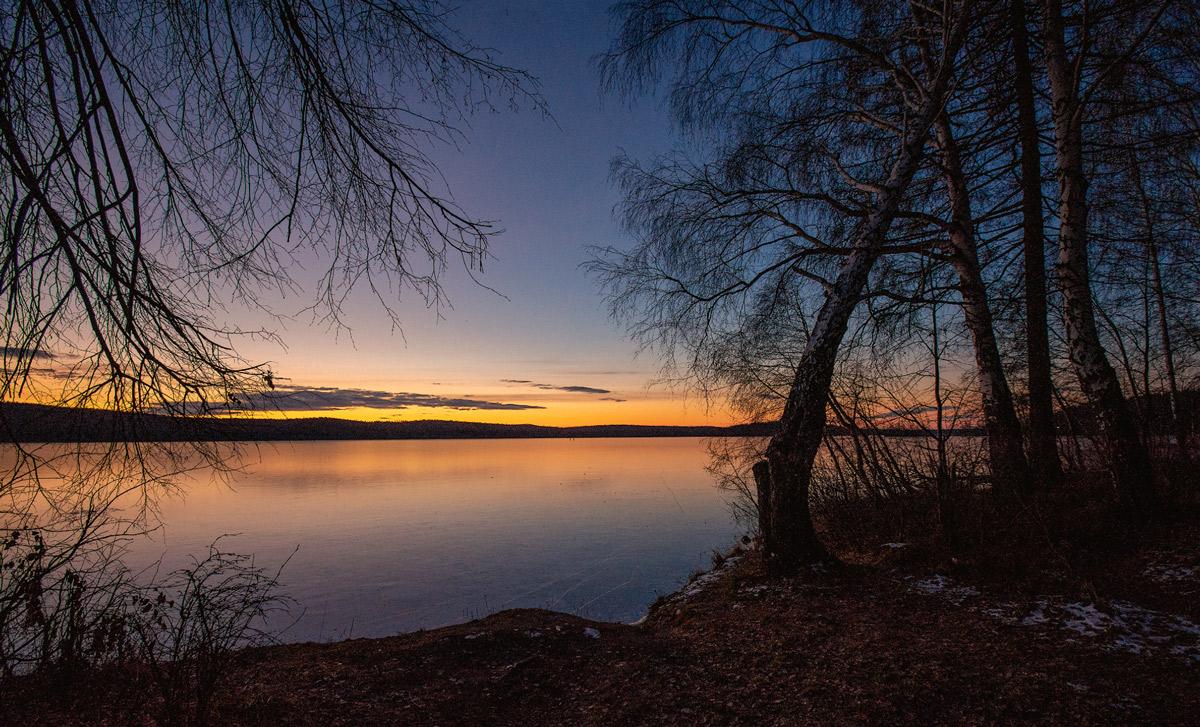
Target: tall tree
1071,90
819,116
1043,450
1010,470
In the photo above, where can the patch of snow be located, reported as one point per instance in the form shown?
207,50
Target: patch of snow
1164,573
1087,620
534,634
589,631
698,585
1183,625
1078,687
1128,642
475,636
640,621
1187,652
1037,616
1125,703
895,545
703,580
1123,626
700,582
944,587
1002,612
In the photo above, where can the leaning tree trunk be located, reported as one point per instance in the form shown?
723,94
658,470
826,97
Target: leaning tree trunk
1010,471
1130,461
790,539
1043,444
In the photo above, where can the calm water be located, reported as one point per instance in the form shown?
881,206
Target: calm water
396,536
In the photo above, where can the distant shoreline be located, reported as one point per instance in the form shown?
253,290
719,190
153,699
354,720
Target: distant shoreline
36,423
29,424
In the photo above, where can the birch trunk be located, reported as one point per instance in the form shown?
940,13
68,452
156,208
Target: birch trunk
793,449
1133,478
1010,471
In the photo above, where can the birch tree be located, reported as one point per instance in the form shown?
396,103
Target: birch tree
1088,52
821,114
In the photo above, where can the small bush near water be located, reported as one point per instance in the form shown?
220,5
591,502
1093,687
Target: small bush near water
171,640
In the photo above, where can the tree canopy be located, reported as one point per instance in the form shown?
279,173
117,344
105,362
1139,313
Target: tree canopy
893,173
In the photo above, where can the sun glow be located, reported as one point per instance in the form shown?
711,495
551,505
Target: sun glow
647,412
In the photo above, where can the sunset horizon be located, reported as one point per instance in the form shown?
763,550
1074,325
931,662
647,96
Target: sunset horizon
615,362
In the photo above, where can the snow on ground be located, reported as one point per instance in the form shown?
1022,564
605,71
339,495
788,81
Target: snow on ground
1036,616
945,588
1121,626
1116,625
699,583
1164,573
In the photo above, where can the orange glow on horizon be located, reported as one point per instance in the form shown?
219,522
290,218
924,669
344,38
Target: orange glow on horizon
652,412
510,403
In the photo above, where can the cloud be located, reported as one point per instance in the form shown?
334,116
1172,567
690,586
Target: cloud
901,413
552,387
8,352
50,373
610,398
34,362
320,398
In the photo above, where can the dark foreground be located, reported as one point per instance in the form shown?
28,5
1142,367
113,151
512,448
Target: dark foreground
876,643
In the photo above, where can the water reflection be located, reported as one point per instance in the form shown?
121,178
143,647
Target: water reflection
395,536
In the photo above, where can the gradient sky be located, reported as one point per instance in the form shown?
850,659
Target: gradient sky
548,354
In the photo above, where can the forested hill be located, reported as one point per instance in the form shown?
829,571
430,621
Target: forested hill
36,423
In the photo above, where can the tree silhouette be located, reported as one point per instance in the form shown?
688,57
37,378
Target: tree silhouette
903,157
821,115
162,158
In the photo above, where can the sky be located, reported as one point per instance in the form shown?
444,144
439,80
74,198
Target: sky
542,348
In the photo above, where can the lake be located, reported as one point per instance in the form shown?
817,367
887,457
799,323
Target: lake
394,536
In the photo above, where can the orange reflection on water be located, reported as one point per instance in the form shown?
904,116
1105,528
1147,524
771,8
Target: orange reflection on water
396,535
364,476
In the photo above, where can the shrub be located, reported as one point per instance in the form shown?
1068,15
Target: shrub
186,629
